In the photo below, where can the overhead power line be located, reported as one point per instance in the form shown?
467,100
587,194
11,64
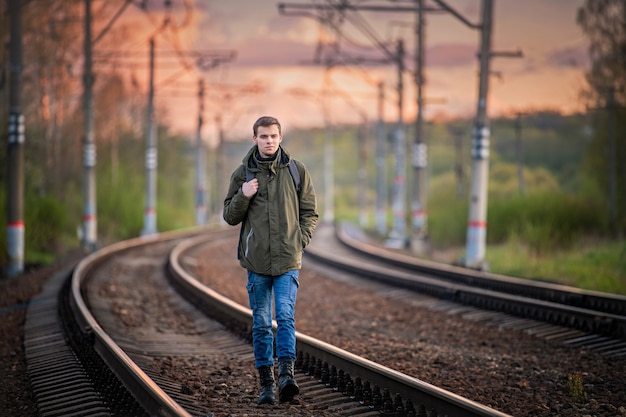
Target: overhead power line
112,21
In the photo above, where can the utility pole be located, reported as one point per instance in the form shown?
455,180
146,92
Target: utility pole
201,203
477,224
397,237
419,236
149,218
381,165
15,151
89,235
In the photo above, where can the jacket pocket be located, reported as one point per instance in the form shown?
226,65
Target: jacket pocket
295,277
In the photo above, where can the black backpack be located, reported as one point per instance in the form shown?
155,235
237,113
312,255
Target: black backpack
293,170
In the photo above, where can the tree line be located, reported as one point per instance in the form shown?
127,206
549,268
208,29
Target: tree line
51,99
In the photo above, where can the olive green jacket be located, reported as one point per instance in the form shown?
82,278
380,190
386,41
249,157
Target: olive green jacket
277,222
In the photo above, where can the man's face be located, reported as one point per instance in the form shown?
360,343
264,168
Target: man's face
267,140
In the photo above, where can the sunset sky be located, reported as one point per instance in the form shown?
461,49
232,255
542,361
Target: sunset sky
275,52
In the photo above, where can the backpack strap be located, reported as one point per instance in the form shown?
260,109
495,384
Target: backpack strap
293,170
249,174
295,175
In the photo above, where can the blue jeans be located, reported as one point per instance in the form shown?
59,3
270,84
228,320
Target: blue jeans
285,289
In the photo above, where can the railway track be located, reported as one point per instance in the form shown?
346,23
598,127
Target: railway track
122,360
577,317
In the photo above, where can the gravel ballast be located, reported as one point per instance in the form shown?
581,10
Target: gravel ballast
508,370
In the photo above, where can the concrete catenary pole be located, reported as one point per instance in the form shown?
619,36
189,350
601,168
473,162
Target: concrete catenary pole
477,224
419,232
149,218
381,165
201,203
89,235
15,151
397,237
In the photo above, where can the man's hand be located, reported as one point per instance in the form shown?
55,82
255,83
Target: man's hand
250,188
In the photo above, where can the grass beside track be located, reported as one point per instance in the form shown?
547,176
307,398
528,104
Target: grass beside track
591,265
599,266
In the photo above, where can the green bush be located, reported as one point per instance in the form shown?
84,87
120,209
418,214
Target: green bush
447,214
504,181
120,208
545,221
46,220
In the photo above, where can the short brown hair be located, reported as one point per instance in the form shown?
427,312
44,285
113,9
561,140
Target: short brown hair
266,121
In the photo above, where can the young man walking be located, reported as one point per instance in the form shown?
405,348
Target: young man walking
272,195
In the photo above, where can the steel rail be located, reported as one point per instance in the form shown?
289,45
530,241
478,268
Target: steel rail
462,291
154,400
321,356
353,238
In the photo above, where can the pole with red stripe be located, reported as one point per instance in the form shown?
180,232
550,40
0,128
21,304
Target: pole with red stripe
477,224
90,230
15,151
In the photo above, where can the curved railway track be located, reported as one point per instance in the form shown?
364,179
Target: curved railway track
579,317
127,359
